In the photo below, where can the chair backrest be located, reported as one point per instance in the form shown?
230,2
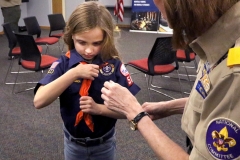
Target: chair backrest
29,50
56,22
162,53
32,26
12,40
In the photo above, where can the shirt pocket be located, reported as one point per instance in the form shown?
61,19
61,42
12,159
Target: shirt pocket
74,87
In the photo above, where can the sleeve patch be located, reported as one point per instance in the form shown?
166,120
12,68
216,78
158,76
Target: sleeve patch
124,70
53,66
129,80
223,139
126,74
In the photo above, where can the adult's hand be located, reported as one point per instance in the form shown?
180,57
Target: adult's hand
156,110
163,109
119,99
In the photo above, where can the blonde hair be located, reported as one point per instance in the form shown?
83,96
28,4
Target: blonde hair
191,18
90,15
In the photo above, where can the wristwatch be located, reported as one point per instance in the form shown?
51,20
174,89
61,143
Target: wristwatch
133,123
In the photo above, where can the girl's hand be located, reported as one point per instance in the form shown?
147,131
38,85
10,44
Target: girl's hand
86,71
88,105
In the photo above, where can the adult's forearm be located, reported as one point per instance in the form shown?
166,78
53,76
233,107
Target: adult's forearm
161,144
176,106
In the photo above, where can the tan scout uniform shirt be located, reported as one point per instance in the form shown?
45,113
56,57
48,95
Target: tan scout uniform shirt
212,121
10,3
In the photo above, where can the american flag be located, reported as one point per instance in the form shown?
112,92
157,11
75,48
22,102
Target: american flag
119,9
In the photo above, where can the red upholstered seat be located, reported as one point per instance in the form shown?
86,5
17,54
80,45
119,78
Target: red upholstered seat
46,40
158,69
16,51
46,61
182,55
59,35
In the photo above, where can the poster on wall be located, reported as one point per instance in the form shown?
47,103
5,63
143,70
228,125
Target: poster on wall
147,18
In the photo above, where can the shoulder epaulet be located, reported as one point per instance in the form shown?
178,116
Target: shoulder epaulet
67,54
233,57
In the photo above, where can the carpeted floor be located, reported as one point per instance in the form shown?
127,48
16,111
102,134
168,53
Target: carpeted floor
30,134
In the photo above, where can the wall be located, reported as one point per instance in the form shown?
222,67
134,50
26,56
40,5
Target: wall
70,5
41,8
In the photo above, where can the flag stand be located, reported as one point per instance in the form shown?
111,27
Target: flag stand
117,29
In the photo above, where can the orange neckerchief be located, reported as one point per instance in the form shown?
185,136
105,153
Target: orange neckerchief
86,83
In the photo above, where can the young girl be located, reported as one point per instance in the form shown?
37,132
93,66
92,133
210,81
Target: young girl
77,78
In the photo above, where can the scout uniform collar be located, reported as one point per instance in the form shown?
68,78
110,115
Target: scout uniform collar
75,58
214,43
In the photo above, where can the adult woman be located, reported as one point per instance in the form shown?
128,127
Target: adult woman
211,113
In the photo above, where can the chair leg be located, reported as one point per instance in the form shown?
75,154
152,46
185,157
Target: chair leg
195,64
187,75
62,50
135,73
28,89
153,86
148,86
9,69
179,82
15,82
47,49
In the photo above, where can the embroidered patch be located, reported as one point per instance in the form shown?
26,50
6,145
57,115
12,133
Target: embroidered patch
223,139
124,70
53,66
107,69
77,81
129,80
205,82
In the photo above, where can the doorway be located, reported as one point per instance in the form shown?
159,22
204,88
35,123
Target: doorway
57,6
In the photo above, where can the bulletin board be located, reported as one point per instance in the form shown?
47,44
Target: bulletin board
146,17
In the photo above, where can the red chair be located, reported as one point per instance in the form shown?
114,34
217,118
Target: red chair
31,58
161,61
33,29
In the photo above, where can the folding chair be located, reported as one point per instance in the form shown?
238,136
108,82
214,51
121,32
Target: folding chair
31,58
34,29
161,60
